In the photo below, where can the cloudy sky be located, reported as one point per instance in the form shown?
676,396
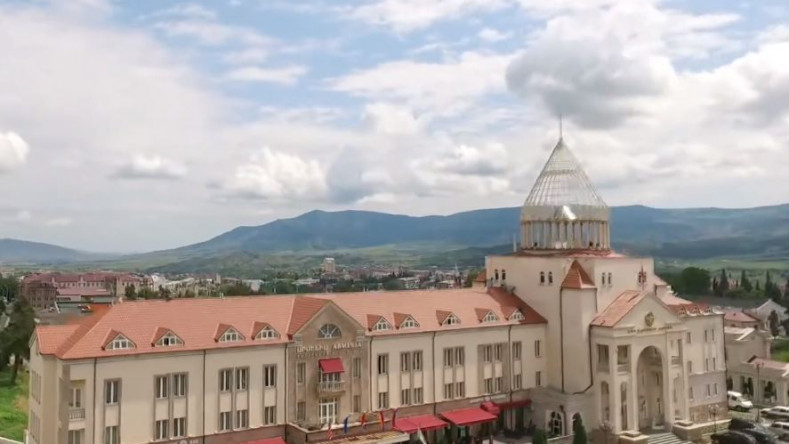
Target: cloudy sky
139,125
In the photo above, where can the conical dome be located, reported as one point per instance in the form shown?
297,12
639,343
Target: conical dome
563,209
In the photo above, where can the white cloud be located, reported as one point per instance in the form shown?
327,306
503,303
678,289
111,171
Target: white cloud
493,35
59,222
388,118
213,33
284,76
274,175
16,216
188,10
150,167
251,55
13,151
440,88
410,15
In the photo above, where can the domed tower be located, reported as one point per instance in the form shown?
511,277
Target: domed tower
563,210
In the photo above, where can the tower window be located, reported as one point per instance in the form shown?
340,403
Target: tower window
542,278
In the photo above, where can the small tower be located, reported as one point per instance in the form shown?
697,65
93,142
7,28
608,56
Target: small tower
563,210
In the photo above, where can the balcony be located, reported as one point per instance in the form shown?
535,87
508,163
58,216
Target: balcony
331,386
623,367
675,360
602,367
76,414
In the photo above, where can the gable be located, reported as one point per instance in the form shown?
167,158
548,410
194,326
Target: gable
661,314
330,313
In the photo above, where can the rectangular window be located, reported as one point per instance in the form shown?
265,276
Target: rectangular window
160,388
225,380
357,403
179,384
706,336
301,372
538,379
416,362
269,376
327,410
712,332
690,367
497,384
383,400
498,352
687,338
690,393
161,430
242,419
602,354
112,391
76,436
301,411
709,391
488,386
516,350
714,364
460,389
537,348
448,357
179,427
460,356
405,397
449,391
383,364
357,367
75,400
517,382
418,395
242,378
270,415
405,362
111,435
487,353
225,421
715,389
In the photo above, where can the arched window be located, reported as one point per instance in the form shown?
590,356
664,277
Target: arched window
602,278
329,331
496,274
609,278
542,277
503,275
556,424
550,277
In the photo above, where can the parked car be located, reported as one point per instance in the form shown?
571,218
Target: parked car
738,401
740,424
781,429
762,435
732,437
777,412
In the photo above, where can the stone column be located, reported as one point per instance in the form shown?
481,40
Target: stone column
614,391
632,420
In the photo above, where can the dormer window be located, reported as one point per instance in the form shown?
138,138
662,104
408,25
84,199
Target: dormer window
266,333
490,317
516,316
120,343
382,325
230,335
168,340
542,278
329,331
409,322
451,320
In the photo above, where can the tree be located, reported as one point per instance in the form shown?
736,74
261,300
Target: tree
771,289
14,340
745,283
146,293
9,288
695,280
716,287
758,286
130,293
774,323
579,431
539,437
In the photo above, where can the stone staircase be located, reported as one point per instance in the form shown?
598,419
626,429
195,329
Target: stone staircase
665,438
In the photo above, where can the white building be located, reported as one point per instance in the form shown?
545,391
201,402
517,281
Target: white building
329,266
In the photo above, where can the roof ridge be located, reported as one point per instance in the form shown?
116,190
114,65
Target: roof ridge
86,325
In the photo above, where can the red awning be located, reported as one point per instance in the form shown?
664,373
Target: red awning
277,440
514,404
466,417
423,422
491,408
331,365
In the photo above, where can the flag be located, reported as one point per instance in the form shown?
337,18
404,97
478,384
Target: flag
383,420
363,420
394,417
330,435
345,425
420,436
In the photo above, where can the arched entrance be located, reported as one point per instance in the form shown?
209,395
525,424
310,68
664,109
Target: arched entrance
649,372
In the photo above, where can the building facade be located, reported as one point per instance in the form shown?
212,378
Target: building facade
562,328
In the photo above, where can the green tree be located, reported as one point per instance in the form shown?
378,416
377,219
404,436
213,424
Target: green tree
539,437
745,283
15,339
130,293
723,283
771,289
695,281
9,288
579,431
774,323
147,293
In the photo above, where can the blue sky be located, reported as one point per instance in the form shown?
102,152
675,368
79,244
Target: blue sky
139,125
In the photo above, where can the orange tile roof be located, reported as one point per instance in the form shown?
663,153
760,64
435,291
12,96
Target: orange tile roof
738,316
618,308
481,313
577,278
161,331
198,322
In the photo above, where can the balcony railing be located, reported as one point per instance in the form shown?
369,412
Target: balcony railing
623,368
331,386
675,360
602,367
75,414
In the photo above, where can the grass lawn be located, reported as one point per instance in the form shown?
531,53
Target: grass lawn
13,406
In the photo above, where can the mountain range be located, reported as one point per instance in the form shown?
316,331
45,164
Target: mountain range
760,233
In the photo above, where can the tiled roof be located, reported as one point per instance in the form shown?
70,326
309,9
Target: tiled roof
160,332
672,299
577,278
738,316
372,319
199,322
618,308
